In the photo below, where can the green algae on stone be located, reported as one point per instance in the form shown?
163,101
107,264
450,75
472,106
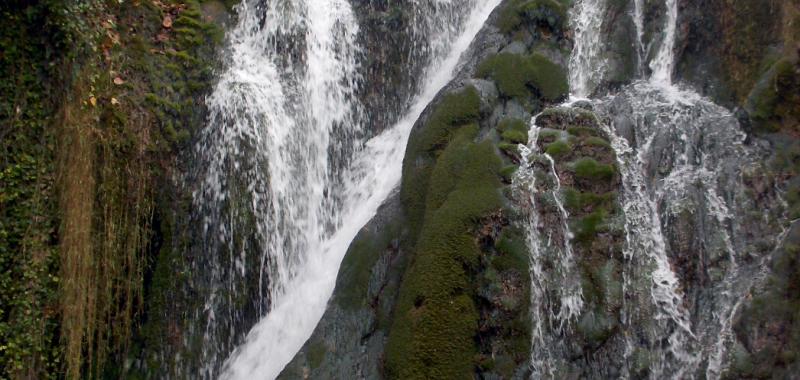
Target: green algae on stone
588,168
777,104
516,75
558,149
454,111
546,13
432,335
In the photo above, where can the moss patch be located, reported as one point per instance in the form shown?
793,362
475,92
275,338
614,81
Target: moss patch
549,14
588,168
513,131
454,111
436,319
558,149
516,75
777,106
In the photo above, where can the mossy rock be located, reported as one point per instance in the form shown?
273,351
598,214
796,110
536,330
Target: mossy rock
551,14
587,227
436,320
516,75
512,251
558,149
453,111
777,106
569,119
513,131
588,168
508,172
578,202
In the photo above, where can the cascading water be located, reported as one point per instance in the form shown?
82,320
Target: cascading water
282,124
680,159
556,247
288,150
587,20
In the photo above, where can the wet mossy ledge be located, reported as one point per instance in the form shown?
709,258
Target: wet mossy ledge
463,300
516,76
529,14
98,98
438,284
575,168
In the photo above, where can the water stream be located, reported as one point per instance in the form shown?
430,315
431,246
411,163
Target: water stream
681,159
288,150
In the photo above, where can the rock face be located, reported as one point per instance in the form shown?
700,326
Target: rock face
350,338
440,283
577,230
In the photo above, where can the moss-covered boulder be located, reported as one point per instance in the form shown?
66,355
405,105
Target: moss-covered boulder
517,76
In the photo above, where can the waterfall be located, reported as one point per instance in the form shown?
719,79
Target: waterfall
283,122
681,159
586,62
290,169
664,61
566,298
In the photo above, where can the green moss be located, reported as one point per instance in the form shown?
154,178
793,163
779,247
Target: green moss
586,228
316,354
512,250
508,172
776,106
544,13
511,150
558,149
549,78
511,72
576,201
436,320
583,131
515,137
588,168
352,283
454,111
597,141
513,131
516,74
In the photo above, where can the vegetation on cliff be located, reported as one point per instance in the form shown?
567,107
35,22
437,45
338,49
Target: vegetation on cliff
98,98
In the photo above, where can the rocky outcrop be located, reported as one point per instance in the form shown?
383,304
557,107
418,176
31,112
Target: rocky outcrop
443,290
457,311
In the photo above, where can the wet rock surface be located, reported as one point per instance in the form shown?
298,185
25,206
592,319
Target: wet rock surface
494,301
575,166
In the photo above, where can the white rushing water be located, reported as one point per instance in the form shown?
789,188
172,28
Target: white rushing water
285,99
289,122
683,155
544,249
587,63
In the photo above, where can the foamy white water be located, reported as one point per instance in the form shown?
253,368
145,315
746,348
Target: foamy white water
682,155
664,61
268,183
374,173
587,65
